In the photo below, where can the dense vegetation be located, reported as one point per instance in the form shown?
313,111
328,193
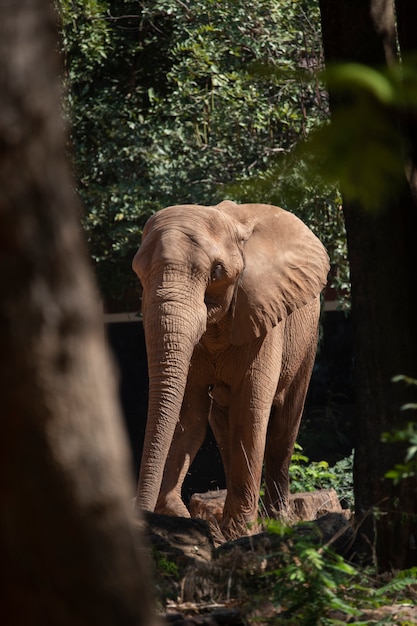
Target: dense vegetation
175,102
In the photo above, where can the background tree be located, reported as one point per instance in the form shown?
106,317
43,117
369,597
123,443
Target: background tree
378,152
68,554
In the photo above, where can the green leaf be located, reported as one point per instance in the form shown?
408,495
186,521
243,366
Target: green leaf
361,77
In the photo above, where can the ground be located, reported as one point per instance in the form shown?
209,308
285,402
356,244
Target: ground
274,577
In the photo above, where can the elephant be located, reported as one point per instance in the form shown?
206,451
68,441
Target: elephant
231,306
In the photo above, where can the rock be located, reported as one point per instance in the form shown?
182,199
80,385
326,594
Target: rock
191,571
184,539
187,541
208,505
308,506
217,617
304,506
332,529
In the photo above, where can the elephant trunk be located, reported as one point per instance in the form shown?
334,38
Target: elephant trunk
172,330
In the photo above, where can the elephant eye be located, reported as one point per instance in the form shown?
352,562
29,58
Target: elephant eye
217,272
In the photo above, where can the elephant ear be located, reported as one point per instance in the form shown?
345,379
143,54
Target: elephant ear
286,267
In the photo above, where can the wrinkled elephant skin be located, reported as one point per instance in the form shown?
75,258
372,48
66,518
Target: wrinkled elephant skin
231,304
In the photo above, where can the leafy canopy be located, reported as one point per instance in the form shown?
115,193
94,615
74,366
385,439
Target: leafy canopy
174,102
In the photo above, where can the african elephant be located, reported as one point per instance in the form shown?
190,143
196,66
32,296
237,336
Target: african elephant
231,303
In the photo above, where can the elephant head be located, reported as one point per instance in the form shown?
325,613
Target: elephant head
251,265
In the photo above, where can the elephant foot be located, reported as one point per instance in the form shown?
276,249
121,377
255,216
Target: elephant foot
280,511
171,505
233,528
279,507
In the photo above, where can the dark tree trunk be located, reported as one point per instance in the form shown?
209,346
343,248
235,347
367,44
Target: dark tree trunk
68,555
406,15
383,265
405,11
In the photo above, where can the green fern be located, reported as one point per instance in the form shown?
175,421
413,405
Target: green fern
400,583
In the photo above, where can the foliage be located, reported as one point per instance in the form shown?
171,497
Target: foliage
372,106
309,581
105,106
168,573
174,102
294,580
164,565
409,434
309,476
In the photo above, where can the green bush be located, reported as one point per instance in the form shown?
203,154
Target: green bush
309,476
176,102
407,434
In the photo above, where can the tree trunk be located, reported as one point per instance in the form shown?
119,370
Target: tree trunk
68,553
383,266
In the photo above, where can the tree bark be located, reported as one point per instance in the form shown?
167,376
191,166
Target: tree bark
383,267
405,11
351,32
68,552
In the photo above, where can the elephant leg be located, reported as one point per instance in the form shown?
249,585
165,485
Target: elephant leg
243,475
282,433
249,411
219,422
188,437
285,420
